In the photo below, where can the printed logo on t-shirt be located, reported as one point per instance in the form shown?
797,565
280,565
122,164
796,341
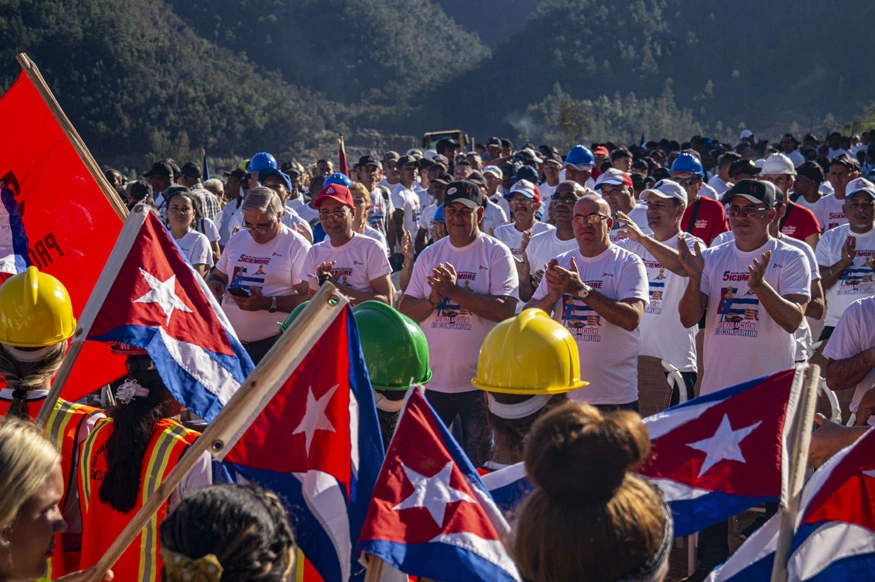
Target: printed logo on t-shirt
835,219
580,319
789,229
450,315
738,313
857,280
656,280
243,278
341,274
702,223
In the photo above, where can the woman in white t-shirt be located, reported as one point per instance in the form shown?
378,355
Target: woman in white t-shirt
182,212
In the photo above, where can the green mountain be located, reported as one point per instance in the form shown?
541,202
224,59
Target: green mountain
494,21
378,55
135,79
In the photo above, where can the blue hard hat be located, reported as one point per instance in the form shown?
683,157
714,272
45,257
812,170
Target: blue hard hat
688,163
337,178
439,214
268,171
580,156
260,161
525,173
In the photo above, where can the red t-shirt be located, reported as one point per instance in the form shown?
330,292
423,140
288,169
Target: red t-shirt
710,219
799,222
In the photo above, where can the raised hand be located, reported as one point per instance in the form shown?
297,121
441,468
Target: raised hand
693,264
758,271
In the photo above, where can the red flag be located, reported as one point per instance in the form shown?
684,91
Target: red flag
341,157
69,223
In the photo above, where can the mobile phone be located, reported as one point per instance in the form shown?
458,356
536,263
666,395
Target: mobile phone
238,292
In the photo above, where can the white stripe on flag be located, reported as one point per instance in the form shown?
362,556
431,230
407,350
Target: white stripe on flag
831,542
354,433
675,491
203,368
762,543
505,476
668,420
326,501
490,550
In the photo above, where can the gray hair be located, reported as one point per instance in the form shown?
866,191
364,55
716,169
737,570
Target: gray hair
263,199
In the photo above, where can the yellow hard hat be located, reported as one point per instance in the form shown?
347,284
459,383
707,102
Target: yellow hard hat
529,354
35,310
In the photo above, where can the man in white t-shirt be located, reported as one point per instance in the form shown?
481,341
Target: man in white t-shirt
494,177
551,167
461,286
615,187
523,201
843,171
549,245
280,183
437,189
380,208
390,171
809,177
355,263
720,181
662,334
851,352
756,289
258,275
846,256
406,202
598,292
790,148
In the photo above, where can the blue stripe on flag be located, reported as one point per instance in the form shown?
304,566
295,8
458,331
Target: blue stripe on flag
437,560
19,235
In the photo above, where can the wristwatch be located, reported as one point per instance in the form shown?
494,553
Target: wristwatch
272,308
584,291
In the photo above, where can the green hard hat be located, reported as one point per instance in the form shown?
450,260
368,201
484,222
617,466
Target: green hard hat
394,346
293,316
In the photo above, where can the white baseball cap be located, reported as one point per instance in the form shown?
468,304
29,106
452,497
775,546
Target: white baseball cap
494,170
858,184
778,164
746,133
524,187
666,189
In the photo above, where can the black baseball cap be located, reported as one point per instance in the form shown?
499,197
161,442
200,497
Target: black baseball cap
756,191
445,143
493,141
159,169
846,161
464,192
238,173
404,160
811,170
443,178
743,166
191,170
370,161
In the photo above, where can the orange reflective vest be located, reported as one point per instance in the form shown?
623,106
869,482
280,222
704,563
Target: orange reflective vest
102,524
62,429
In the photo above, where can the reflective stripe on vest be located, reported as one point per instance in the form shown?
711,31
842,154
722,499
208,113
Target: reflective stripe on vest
84,457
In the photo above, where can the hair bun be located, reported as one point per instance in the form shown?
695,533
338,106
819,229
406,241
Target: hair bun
575,451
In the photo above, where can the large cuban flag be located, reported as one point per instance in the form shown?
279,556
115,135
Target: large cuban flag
720,454
158,303
431,515
835,537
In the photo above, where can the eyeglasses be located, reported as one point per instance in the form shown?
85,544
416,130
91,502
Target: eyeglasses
688,181
566,199
746,212
336,213
594,218
262,227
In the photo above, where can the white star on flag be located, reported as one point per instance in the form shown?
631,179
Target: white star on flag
163,293
315,417
724,445
432,493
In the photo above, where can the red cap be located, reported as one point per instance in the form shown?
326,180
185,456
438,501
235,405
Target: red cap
336,192
601,151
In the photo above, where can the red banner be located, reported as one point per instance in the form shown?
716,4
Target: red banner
69,222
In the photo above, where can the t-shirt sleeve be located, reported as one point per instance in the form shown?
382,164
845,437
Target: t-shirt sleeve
633,279
845,339
503,277
222,263
418,288
705,285
210,230
201,253
308,265
399,201
825,252
378,262
298,253
796,276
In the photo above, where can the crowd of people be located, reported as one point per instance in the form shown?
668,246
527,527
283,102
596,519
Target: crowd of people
531,279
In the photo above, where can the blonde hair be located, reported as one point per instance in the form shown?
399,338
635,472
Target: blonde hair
27,459
589,518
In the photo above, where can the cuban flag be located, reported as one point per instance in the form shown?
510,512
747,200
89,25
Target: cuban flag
720,454
835,538
431,515
317,445
157,302
14,257
508,486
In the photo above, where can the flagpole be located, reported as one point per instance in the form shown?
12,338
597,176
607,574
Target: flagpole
114,263
798,462
235,417
32,72
374,569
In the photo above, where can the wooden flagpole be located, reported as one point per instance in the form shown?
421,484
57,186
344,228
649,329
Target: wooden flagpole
114,263
236,416
798,462
374,568
32,72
